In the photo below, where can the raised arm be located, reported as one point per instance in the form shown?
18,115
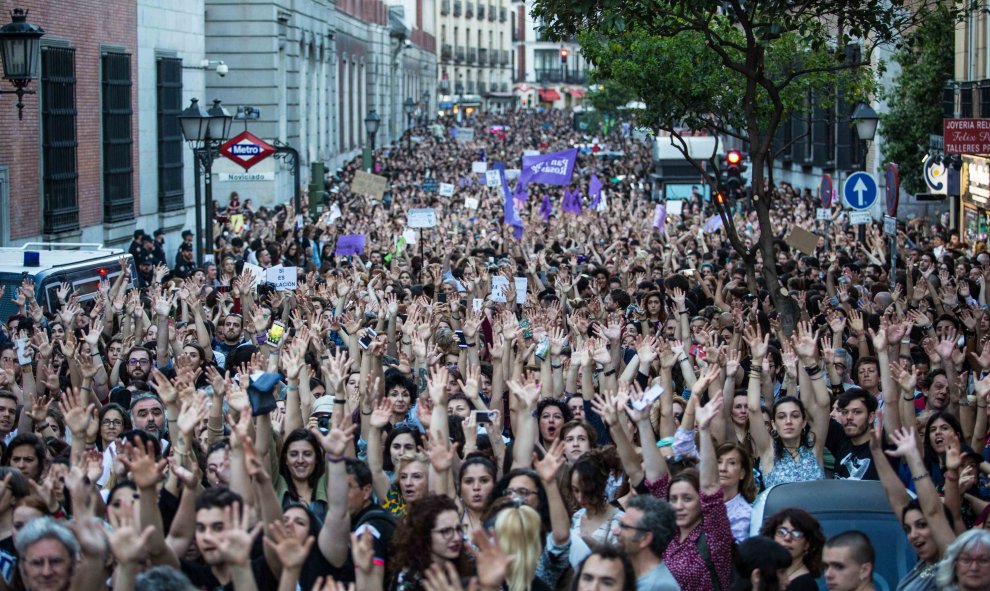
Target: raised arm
526,429
377,421
547,469
705,415
757,428
906,447
335,534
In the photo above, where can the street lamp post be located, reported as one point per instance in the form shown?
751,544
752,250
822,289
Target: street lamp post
409,106
20,51
205,131
865,119
372,122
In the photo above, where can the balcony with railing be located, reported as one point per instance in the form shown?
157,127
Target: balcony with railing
494,57
502,15
492,13
469,9
459,54
505,57
472,55
443,87
515,33
445,7
482,57
482,88
446,52
481,11
470,87
457,7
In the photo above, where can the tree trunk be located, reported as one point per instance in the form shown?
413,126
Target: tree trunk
787,308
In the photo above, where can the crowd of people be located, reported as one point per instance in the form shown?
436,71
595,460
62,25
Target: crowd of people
593,405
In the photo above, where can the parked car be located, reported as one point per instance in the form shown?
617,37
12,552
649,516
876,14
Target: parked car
841,505
81,265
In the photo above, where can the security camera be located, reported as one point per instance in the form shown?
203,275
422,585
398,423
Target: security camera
407,43
222,69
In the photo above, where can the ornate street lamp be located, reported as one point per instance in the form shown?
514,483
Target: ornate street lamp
20,51
408,107
205,131
865,119
372,122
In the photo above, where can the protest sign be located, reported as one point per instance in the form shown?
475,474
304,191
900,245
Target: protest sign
675,206
802,240
350,245
421,218
446,190
492,178
471,202
368,184
465,134
478,167
283,278
549,169
256,271
410,235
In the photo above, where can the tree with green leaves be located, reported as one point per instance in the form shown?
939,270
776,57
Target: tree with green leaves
915,101
736,68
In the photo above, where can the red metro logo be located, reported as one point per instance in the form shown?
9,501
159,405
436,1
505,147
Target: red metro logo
247,149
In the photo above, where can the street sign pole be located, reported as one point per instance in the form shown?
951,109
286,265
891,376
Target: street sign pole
893,193
825,196
860,193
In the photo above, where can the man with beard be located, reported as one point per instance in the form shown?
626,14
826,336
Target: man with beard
849,441
229,334
644,534
148,414
137,365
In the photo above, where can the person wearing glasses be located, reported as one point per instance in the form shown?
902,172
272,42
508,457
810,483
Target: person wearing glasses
966,566
137,365
643,533
429,534
801,535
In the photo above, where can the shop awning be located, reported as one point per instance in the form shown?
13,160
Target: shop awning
522,88
576,92
501,96
549,95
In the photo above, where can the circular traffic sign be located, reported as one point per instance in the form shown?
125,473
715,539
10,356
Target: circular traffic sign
825,190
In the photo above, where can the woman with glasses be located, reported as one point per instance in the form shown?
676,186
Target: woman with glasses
801,535
430,533
966,566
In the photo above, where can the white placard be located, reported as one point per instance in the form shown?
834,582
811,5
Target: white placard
478,167
446,190
823,214
256,271
471,202
651,395
602,203
531,152
421,218
281,277
492,178
675,206
410,235
334,212
859,218
522,284
512,174
465,134
499,285
889,225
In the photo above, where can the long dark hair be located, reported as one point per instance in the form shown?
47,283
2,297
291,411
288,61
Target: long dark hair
283,464
403,430
759,553
125,417
544,503
931,457
806,524
414,529
806,439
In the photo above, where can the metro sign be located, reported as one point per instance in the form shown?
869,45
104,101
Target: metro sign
246,149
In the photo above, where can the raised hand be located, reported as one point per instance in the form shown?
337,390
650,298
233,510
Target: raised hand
291,552
756,340
140,461
336,440
237,537
552,462
526,392
905,443
381,414
705,413
441,452
127,543
76,413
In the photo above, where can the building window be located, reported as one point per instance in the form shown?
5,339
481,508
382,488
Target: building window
118,167
60,175
171,193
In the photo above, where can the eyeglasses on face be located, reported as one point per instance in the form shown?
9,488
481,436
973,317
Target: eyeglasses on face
112,422
793,534
133,362
519,492
968,561
448,533
626,526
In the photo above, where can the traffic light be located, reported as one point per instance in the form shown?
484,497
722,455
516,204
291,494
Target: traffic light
563,55
733,171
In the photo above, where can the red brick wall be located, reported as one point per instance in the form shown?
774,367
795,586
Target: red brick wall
85,24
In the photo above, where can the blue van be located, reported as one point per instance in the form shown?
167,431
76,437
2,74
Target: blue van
81,265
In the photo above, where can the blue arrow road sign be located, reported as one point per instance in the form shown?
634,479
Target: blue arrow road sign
860,191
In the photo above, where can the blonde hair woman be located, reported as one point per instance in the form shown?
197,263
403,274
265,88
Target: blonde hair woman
518,534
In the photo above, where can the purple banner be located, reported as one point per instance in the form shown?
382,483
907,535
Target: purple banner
594,192
509,206
571,202
549,169
350,245
660,218
546,208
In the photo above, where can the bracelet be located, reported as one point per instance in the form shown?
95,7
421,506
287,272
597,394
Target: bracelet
291,388
813,371
558,366
907,399
921,476
905,341
365,414
950,476
339,401
471,345
665,442
335,459
682,359
85,388
610,372
981,406
683,312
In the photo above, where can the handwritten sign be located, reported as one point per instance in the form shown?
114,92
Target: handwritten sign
471,202
446,190
256,271
802,240
492,178
410,236
478,167
465,134
372,185
350,245
429,186
674,207
283,278
421,218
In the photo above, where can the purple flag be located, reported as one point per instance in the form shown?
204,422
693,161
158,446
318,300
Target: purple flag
546,208
571,202
349,245
595,192
660,218
509,206
520,192
713,224
549,169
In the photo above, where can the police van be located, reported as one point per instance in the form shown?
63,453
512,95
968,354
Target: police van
81,265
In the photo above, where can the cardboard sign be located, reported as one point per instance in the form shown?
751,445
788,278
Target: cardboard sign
350,245
237,223
471,202
492,178
446,190
802,240
478,167
674,207
410,235
368,184
860,218
421,218
283,278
